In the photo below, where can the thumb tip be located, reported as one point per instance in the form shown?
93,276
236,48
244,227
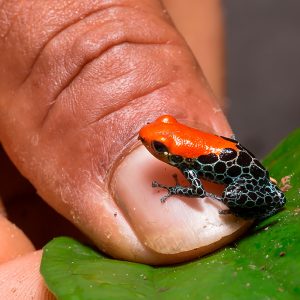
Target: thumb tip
177,226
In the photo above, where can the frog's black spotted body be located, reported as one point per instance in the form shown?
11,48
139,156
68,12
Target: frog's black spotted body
249,192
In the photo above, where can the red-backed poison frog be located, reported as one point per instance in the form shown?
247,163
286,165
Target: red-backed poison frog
249,192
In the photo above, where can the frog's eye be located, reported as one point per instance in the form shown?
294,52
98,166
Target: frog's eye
159,147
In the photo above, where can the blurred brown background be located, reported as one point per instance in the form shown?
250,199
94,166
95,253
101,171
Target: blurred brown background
263,56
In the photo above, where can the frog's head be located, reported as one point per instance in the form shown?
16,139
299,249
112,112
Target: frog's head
171,141
159,137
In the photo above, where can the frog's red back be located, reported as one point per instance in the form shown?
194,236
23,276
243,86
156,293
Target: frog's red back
183,140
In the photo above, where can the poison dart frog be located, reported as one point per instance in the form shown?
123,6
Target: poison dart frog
249,191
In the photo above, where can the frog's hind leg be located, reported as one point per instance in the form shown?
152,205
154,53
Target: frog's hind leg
243,197
252,198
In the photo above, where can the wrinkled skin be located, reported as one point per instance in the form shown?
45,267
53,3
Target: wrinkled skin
77,82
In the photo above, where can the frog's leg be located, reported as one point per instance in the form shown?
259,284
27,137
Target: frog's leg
243,196
248,197
195,190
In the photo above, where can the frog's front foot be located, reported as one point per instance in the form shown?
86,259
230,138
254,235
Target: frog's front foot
163,199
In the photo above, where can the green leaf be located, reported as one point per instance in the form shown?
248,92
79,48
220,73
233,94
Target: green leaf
265,264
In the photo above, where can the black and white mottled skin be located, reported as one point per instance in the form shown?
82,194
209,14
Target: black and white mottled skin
249,192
